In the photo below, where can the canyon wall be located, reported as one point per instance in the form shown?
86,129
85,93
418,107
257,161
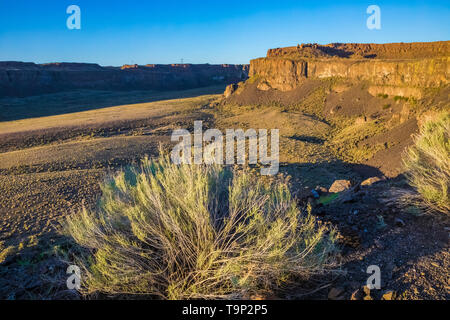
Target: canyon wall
24,79
396,68
413,50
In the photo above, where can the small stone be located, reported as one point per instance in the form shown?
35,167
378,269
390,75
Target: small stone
264,86
388,295
335,294
340,185
370,181
321,190
230,89
399,222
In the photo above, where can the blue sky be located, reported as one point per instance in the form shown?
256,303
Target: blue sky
116,32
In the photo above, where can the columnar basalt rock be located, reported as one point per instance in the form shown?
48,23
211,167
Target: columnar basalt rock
413,50
403,68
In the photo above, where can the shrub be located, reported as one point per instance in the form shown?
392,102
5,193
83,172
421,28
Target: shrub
428,162
400,98
197,231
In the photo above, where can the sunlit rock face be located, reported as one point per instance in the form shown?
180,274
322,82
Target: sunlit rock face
402,68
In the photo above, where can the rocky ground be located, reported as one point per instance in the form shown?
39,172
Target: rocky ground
378,228
50,167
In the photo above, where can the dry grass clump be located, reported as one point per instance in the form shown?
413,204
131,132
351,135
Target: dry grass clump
428,162
197,231
347,142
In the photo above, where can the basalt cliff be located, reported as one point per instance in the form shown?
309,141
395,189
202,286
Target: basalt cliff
401,69
24,79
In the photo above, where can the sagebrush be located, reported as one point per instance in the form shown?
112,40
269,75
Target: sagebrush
428,162
197,231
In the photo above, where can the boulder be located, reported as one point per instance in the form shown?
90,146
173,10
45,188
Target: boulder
264,86
321,190
340,185
388,295
230,89
370,181
336,294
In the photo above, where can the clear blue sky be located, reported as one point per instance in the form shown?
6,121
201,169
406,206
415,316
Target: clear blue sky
115,32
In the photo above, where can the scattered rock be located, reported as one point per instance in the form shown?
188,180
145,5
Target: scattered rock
230,89
370,181
335,109
321,190
336,294
340,185
388,295
264,86
360,121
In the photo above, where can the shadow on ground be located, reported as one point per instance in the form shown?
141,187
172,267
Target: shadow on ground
409,245
83,100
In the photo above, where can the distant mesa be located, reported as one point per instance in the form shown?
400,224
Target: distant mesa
129,66
26,78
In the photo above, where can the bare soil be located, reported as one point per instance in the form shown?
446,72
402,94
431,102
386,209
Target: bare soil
51,167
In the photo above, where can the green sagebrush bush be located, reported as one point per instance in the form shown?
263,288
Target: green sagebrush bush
196,231
428,162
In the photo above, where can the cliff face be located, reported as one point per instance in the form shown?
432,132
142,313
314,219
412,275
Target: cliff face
415,50
23,79
402,68
287,74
